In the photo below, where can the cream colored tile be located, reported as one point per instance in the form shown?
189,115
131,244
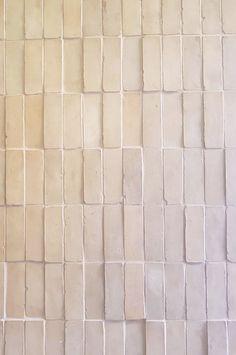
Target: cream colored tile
14,177
92,17
92,176
54,337
92,120
53,234
14,121
132,119
54,299
14,22
33,66
92,64
34,121
52,121
73,291
15,303
52,18
52,65
34,177
34,338
111,120
34,233
14,337
53,176
111,64
111,17
14,67
72,121
15,230
72,18
34,290
94,291
73,233
93,233
73,80
134,292
112,174
33,19
73,176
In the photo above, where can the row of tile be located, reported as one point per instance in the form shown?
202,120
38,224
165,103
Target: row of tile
130,175
50,18
113,338
114,233
92,65
113,120
114,291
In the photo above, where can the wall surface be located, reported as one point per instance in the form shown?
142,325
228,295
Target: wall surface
118,177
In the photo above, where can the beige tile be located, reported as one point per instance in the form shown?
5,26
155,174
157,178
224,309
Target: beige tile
111,64
34,338
94,291
111,120
15,298
14,121
73,176
155,338
134,292
72,18
74,338
2,14
33,66
132,63
173,176
191,17
212,63
131,17
94,338
2,64
151,63
195,292
132,119
92,176
53,176
194,234
34,177
211,14
135,337
34,290
193,176
14,67
93,233
217,338
15,230
213,120
132,176
54,337
112,174
133,233
2,232
52,121
2,122
34,121
111,17
73,291
14,22
174,291
114,292
14,177
92,18
175,335
14,337
33,19
114,338
72,129
197,338
172,66
52,19
73,233
113,233
151,17
174,237
153,176
192,63
214,177
52,65
230,123
92,64
215,227
54,299
151,111
154,291
171,17
154,232
92,120
2,288
73,81
53,234
172,120
193,120
34,233
230,232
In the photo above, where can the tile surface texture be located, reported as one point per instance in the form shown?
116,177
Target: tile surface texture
117,177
